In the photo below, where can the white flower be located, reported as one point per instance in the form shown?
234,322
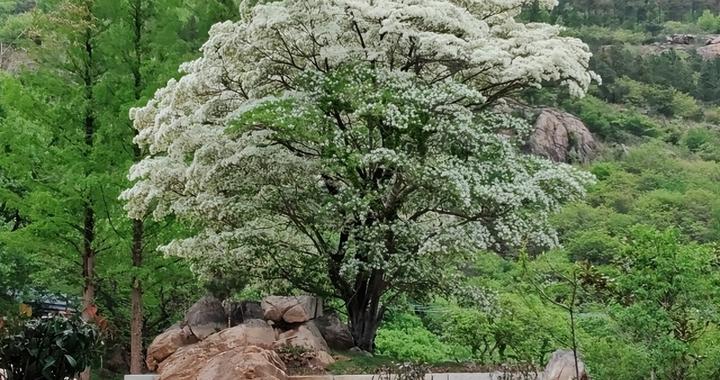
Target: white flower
347,137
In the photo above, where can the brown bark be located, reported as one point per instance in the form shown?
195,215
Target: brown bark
89,252
138,235
136,326
364,309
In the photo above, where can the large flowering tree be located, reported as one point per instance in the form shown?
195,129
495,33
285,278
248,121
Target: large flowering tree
350,147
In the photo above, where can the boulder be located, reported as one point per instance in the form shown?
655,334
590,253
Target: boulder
562,367
561,137
166,344
336,334
187,362
306,336
712,41
207,316
253,332
244,310
244,363
711,51
200,362
296,309
321,360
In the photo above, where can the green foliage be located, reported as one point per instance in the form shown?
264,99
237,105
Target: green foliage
709,22
49,348
404,337
611,123
708,86
669,292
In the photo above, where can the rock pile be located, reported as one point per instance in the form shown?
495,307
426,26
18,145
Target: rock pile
240,340
680,39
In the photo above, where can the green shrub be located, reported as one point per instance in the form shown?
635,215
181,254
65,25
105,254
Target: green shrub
601,36
610,123
709,22
49,348
685,106
697,138
404,337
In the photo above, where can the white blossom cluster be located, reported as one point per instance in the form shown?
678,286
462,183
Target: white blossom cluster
349,137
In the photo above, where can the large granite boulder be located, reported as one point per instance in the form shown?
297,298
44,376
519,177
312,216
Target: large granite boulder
336,334
187,362
710,51
244,363
712,41
562,367
253,332
167,343
206,317
306,336
297,309
561,137
205,363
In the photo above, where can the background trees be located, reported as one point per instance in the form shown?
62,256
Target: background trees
68,144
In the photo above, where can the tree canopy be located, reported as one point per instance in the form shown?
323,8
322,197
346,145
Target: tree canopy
357,141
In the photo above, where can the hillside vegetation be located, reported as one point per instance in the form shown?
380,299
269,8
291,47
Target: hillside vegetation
634,285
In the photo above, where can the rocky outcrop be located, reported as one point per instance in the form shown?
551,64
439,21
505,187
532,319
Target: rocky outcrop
562,367
244,363
680,39
297,309
207,316
336,334
208,363
712,41
203,349
710,51
254,332
561,137
167,343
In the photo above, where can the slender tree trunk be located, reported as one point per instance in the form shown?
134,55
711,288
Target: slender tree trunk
138,235
89,257
136,344
89,212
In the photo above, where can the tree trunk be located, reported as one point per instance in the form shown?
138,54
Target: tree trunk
364,310
89,212
363,327
138,235
136,346
89,257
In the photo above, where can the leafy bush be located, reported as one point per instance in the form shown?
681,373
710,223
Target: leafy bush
611,123
49,348
404,337
599,36
709,22
697,138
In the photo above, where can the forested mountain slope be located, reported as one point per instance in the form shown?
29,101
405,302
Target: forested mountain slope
638,267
